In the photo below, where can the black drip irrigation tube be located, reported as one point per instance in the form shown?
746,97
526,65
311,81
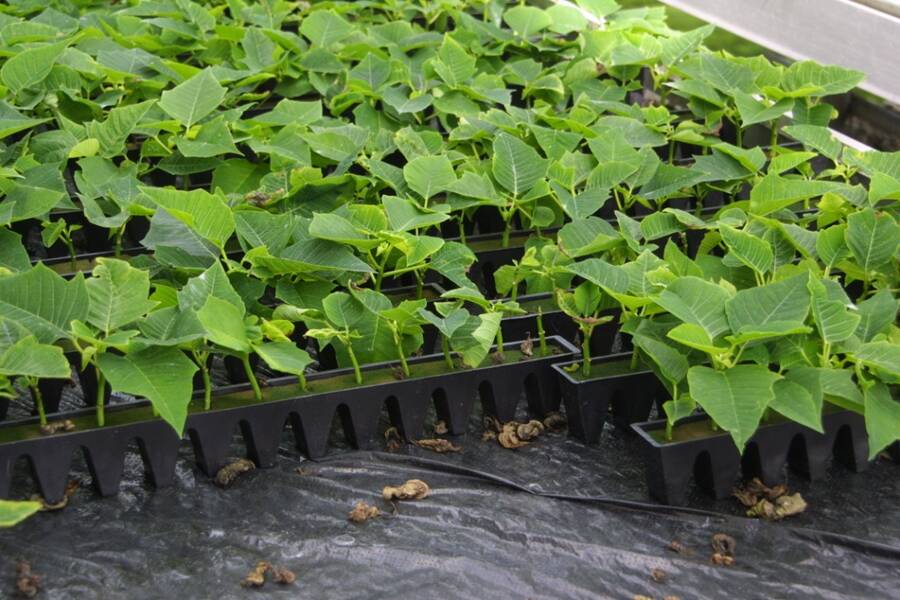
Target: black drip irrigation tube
810,535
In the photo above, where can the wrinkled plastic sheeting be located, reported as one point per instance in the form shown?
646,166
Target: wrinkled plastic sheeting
496,525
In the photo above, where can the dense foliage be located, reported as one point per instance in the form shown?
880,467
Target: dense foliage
258,176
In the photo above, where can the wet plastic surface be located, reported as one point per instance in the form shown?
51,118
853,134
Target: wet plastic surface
499,523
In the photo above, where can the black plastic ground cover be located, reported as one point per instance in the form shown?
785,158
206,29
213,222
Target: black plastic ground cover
556,519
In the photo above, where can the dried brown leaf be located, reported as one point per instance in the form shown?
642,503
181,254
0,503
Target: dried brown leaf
527,347
508,437
257,577
57,426
530,430
658,575
28,583
71,487
555,422
723,543
438,445
362,512
679,548
392,440
228,474
440,428
414,489
281,575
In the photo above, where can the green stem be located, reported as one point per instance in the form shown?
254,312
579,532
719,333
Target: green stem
245,360
542,335
38,400
634,359
462,227
586,351
445,348
773,139
118,241
398,341
301,376
500,340
73,262
356,372
101,396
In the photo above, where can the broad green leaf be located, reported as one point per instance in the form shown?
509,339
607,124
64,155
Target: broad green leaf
405,215
694,336
747,248
429,175
527,20
14,512
586,236
516,165
753,111
795,402
41,189
820,80
120,122
876,315
193,99
119,294
774,192
453,64
284,357
31,66
171,326
696,301
343,310
292,112
214,139
12,121
884,356
205,213
13,255
43,302
735,398
397,99
599,272
671,363
212,282
831,245
882,418
164,376
872,238
324,28
448,324
224,324
769,307
817,138
474,340
29,357
832,318
372,70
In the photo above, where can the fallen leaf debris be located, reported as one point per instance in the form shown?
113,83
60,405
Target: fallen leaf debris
555,422
769,503
257,577
658,575
28,583
438,445
440,428
363,511
57,426
723,546
228,474
71,487
392,440
414,489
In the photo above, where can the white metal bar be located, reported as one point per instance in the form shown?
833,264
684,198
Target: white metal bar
842,32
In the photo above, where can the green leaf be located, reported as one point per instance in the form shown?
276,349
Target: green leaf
213,282
397,99
28,357
876,314
816,137
171,326
224,324
343,310
694,336
12,121
164,376
193,99
13,255
831,245
882,418
31,66
884,356
696,301
292,112
13,513
780,305
43,302
205,213
753,111
429,175
599,272
41,189
747,248
118,294
526,21
872,238
774,192
284,357
119,124
474,340
405,215
214,139
324,28
735,399
516,165
820,80
453,64
834,321
795,402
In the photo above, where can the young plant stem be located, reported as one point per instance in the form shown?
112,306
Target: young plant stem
586,332
445,348
38,400
356,372
542,335
117,244
634,360
301,377
245,360
101,397
500,341
462,227
773,139
398,341
200,358
73,261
